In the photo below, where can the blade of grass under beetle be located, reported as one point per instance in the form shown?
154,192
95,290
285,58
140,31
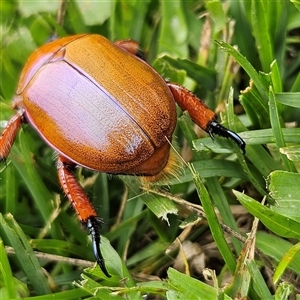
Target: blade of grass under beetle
249,152
11,189
285,261
283,187
25,254
116,266
279,224
217,194
261,32
76,293
296,85
277,132
184,287
97,290
41,195
276,78
259,285
247,67
7,276
266,241
290,99
255,107
213,222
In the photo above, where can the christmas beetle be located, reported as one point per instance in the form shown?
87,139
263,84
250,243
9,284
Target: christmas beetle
100,106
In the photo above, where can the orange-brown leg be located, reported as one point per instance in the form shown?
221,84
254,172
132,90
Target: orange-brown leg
131,47
202,115
9,134
82,205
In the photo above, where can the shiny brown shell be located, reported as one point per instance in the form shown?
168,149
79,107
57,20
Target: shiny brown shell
98,105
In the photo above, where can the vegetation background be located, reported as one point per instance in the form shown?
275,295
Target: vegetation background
229,226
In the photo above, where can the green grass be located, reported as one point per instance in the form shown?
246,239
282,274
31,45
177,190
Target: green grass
242,58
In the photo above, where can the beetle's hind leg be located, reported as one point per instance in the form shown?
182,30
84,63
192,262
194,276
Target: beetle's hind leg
93,224
82,205
217,128
202,115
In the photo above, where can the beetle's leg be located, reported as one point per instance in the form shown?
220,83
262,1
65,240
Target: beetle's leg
131,47
9,134
82,205
202,115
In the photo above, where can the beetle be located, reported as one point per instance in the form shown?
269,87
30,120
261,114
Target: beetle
99,105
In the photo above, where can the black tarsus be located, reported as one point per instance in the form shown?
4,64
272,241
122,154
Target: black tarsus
140,54
216,128
93,224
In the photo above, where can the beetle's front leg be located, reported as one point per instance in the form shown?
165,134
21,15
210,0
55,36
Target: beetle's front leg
9,134
82,205
202,115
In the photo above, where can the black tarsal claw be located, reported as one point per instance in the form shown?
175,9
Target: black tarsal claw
93,224
216,128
